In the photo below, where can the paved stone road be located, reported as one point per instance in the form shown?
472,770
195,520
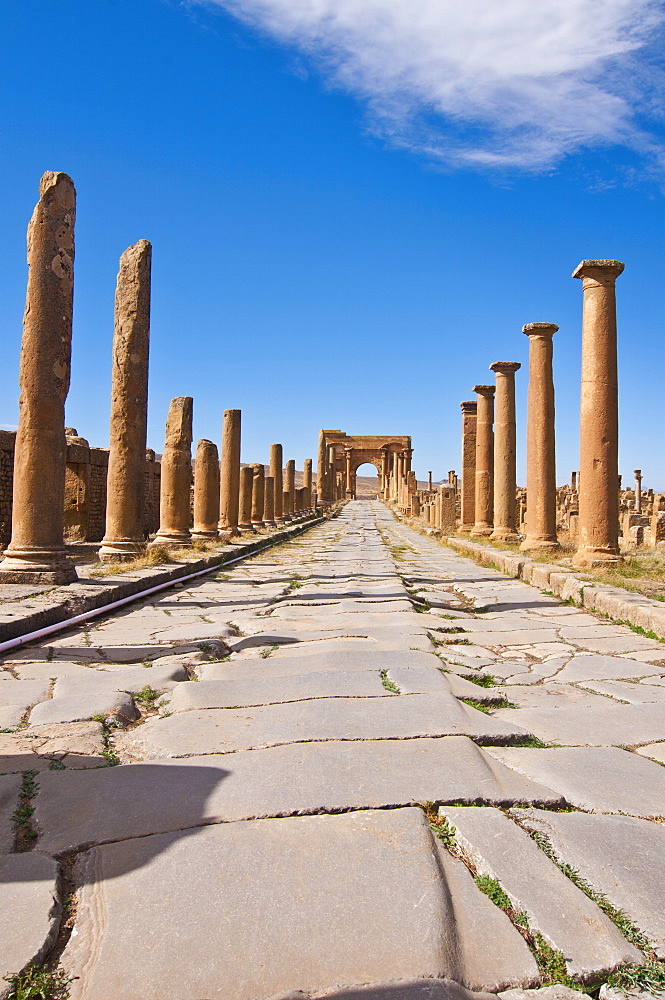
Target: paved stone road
273,829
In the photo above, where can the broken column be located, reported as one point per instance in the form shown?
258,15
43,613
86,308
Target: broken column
229,487
484,460
307,482
258,496
540,445
599,416
245,501
269,503
638,490
505,469
125,490
174,510
321,467
36,553
206,491
276,473
290,485
468,498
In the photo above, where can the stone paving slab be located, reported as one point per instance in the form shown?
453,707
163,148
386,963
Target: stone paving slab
597,779
634,694
419,680
29,911
41,748
10,786
291,662
274,905
568,920
406,989
73,810
22,693
76,708
159,676
605,723
619,856
240,693
656,751
228,730
604,668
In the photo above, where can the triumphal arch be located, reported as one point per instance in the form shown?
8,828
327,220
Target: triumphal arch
341,455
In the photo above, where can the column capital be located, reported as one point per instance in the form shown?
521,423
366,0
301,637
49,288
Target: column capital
485,390
505,367
637,473
469,406
603,271
540,329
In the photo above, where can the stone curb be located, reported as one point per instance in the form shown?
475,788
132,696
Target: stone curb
63,603
620,604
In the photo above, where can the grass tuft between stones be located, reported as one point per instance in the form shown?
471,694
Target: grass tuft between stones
22,817
387,683
37,982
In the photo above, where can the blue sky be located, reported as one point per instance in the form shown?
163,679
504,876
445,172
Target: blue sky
349,224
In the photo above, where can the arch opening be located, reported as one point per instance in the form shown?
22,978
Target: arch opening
366,480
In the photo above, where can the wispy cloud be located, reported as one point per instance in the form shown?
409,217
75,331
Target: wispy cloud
486,83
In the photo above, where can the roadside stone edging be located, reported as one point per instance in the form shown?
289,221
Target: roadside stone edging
65,602
620,604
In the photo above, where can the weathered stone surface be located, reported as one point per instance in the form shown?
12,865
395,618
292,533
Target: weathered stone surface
619,856
38,748
193,695
405,989
606,722
159,676
568,920
555,992
593,778
656,751
274,905
29,911
228,730
634,694
287,662
22,693
419,680
72,810
604,668
10,786
75,708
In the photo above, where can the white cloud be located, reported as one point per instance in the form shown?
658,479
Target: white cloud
499,83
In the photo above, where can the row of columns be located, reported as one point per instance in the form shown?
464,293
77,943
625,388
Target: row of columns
488,443
227,499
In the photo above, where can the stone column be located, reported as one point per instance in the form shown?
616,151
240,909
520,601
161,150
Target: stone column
599,416
348,474
36,553
429,481
415,506
229,490
468,498
125,485
269,503
307,482
174,510
258,496
321,466
484,460
540,449
573,481
505,471
286,501
276,460
206,491
245,502
638,491
290,485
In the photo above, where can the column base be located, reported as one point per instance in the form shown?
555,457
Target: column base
504,535
539,545
588,556
224,535
246,529
257,525
270,524
482,530
38,565
121,549
228,530
205,535
172,540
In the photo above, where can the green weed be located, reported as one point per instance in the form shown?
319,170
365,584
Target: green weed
387,683
39,983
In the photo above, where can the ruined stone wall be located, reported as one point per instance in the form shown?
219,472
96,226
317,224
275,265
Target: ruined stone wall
85,490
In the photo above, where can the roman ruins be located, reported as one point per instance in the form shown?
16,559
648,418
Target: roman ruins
174,504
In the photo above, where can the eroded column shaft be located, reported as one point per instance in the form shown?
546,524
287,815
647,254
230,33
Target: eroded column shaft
245,506
484,460
258,495
505,456
206,491
290,484
176,478
229,489
276,461
540,443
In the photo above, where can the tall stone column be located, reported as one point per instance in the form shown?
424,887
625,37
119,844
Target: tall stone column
286,501
484,460
429,481
638,491
36,553
321,467
206,491
307,482
245,503
598,540
258,496
290,485
468,498
125,489
505,468
348,474
276,460
269,503
229,489
540,446
174,510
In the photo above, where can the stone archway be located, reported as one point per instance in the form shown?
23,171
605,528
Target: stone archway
341,455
